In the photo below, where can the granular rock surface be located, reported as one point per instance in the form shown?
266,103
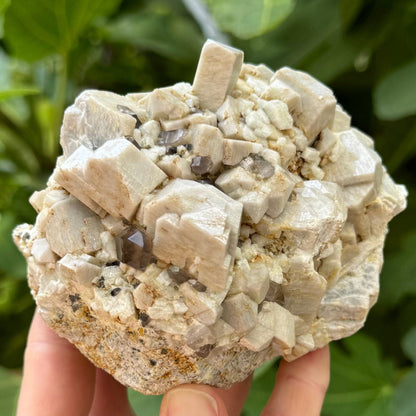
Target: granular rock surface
190,233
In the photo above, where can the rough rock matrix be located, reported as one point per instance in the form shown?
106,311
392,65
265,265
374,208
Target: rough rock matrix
190,233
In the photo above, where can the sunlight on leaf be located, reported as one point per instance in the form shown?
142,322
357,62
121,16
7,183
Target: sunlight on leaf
3,5
18,92
250,18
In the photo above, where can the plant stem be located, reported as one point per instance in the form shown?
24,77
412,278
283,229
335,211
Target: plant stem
59,103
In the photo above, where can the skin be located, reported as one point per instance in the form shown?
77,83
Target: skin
58,380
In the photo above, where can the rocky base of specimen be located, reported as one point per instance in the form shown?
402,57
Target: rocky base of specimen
191,233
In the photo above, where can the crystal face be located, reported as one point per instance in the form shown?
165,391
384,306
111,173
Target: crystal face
201,165
171,138
134,248
126,110
258,165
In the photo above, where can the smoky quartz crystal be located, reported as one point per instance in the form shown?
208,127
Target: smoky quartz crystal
258,165
134,247
171,138
201,165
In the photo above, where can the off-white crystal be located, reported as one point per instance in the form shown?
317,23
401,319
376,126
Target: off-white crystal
216,74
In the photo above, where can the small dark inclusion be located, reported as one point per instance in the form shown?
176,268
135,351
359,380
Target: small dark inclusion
204,351
74,298
115,291
75,301
144,318
199,287
100,282
171,150
113,263
178,275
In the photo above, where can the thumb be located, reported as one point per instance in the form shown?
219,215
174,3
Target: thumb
192,400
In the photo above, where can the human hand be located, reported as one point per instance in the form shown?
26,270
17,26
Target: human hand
59,381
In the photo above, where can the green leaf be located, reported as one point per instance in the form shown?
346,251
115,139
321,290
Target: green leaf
343,50
8,290
361,380
19,150
307,29
159,31
395,96
9,88
144,405
403,151
9,390
350,10
250,18
264,368
261,388
397,278
404,398
36,29
3,5
409,344
11,260
17,92
333,60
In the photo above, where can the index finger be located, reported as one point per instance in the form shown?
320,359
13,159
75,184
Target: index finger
57,379
300,386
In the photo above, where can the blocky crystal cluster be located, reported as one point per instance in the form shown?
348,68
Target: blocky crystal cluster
190,233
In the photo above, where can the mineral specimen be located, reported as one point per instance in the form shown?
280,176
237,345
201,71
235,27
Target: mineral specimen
191,233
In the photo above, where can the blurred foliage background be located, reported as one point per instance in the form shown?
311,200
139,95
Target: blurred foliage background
365,50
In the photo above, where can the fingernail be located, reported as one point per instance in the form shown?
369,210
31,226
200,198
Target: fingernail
188,402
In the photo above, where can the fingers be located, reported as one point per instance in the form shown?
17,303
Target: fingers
299,390
235,397
201,400
110,397
300,386
57,379
191,400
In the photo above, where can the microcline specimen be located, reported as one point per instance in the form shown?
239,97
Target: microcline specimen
190,233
